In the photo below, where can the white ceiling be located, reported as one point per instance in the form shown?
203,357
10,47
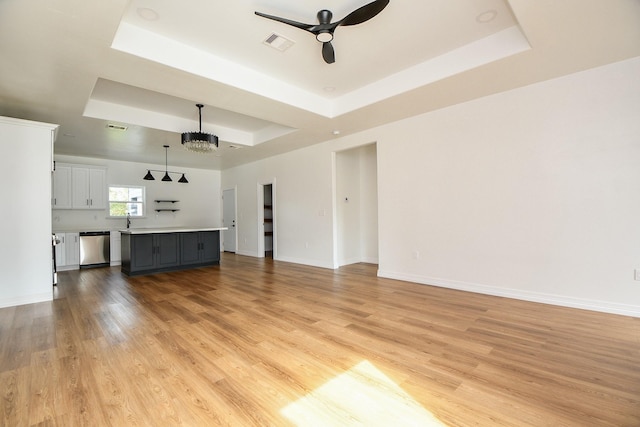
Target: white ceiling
84,64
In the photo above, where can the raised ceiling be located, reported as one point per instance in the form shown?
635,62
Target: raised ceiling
144,64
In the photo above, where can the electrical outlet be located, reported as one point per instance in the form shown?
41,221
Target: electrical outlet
416,255
636,274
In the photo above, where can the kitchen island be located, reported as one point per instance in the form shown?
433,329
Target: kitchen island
154,250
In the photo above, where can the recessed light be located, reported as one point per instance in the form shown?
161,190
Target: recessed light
328,88
147,14
487,16
336,132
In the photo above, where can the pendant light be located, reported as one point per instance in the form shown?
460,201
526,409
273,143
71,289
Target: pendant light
199,142
166,177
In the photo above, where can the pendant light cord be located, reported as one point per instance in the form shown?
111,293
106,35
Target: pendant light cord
166,162
200,115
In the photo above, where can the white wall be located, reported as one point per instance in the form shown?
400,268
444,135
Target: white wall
303,205
25,255
200,199
369,204
531,193
348,206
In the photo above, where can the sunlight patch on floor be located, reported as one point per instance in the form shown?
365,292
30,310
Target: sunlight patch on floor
361,396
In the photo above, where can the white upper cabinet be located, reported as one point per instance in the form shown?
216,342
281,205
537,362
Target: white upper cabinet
98,188
79,187
80,179
61,188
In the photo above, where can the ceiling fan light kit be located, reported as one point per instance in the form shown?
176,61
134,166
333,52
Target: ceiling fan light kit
325,28
166,177
199,142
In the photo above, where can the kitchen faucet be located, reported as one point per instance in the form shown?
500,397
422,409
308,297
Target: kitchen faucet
128,220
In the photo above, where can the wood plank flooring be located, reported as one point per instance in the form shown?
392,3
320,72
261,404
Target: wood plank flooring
256,342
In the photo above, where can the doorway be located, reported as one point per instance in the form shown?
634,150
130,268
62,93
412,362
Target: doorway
229,220
356,206
267,194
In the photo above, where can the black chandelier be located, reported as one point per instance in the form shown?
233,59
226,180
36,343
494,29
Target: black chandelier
200,142
166,177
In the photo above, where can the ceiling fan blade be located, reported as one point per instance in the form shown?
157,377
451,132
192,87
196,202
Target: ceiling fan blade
302,26
328,53
364,13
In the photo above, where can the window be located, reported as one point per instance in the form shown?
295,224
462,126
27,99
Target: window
125,200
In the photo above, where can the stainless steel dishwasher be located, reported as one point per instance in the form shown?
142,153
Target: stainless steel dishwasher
94,249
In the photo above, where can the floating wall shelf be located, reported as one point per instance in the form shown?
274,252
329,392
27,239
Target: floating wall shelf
159,209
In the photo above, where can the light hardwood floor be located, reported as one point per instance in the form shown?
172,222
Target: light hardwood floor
258,342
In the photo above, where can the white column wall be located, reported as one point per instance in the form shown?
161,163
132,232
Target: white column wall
26,270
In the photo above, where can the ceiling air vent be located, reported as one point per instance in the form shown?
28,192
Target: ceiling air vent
278,42
116,127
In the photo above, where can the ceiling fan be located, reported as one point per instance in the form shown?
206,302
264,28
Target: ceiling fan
325,28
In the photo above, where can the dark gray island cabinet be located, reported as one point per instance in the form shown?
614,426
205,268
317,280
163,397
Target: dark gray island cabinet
147,251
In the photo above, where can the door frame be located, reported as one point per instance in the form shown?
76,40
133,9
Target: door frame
260,228
336,178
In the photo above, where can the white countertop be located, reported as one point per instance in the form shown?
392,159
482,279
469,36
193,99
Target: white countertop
169,230
81,230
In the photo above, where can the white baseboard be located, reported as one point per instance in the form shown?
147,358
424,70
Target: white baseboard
293,260
357,261
27,299
348,261
247,253
559,300
313,263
